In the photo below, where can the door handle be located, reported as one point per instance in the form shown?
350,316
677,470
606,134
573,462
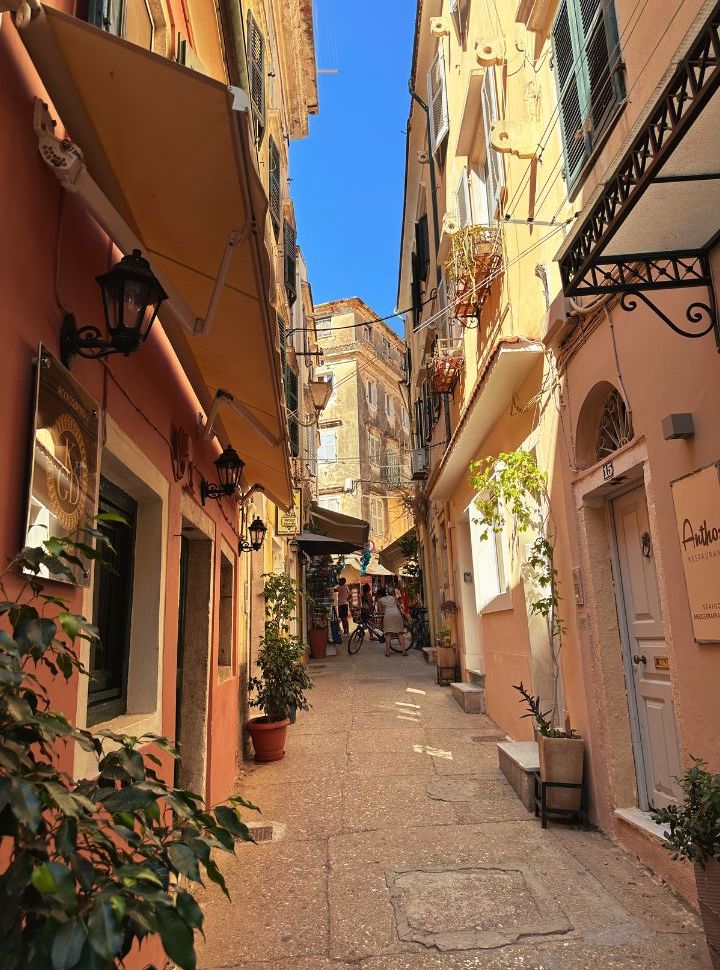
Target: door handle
639,659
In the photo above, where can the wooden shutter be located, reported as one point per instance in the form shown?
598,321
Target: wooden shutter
291,390
459,10
416,291
437,100
444,320
274,192
107,15
494,172
282,337
422,246
462,197
602,58
574,144
256,75
290,261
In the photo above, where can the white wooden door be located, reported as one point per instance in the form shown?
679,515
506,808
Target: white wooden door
645,641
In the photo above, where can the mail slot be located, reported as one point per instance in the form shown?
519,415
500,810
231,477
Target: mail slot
662,663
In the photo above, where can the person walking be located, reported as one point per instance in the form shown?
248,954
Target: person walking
392,621
343,595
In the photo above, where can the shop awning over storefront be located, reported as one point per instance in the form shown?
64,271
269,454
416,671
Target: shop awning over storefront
339,526
353,573
508,367
392,557
314,545
651,222
166,161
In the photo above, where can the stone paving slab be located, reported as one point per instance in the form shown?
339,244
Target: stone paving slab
400,846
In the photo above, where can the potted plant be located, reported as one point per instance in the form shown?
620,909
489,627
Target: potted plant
694,834
445,654
280,689
561,752
321,576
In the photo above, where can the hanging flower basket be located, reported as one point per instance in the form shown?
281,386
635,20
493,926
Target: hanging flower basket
448,607
446,364
475,259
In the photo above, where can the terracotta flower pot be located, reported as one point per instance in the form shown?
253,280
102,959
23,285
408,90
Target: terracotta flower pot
708,887
318,642
561,759
268,738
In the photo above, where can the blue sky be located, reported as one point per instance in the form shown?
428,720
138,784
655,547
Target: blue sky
347,176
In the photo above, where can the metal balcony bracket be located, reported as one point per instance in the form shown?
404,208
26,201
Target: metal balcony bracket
696,313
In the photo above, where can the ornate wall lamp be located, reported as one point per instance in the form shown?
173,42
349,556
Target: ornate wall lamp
320,392
255,536
131,300
229,468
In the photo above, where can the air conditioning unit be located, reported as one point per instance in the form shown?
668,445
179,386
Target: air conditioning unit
419,463
349,485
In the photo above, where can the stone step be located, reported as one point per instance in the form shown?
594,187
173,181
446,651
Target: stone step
519,760
476,676
470,697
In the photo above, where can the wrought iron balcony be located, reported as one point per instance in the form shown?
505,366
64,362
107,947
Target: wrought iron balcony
445,365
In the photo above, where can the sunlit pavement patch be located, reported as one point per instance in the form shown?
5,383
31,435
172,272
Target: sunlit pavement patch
453,790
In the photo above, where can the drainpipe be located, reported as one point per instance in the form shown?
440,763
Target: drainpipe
433,183
233,30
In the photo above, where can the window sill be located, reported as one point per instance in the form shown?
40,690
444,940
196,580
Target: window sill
637,819
502,603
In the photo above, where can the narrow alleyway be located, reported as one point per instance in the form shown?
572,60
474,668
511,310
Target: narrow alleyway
398,844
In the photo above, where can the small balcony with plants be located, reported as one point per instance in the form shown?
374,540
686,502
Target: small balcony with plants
445,364
475,259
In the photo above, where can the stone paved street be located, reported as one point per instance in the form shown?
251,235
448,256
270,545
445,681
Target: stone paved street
398,844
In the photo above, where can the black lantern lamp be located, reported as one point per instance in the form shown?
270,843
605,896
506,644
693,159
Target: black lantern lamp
229,468
131,300
256,531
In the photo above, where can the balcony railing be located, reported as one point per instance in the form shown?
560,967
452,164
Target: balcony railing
445,365
476,258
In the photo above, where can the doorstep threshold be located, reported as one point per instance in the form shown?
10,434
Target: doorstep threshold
641,820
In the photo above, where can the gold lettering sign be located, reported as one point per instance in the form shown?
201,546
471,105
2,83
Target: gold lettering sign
697,511
290,523
64,473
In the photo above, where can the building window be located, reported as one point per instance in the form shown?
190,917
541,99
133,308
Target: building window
589,77
372,394
291,403
290,261
327,452
459,11
393,472
256,75
404,419
373,449
437,100
112,609
324,327
226,612
311,451
488,565
493,169
389,407
614,426
377,518
422,247
274,186
329,502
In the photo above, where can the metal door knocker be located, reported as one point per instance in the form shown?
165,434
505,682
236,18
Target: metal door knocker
646,544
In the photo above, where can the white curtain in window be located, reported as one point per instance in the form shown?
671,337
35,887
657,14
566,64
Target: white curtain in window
328,446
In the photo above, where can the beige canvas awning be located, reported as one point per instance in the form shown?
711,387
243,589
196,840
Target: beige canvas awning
169,161
392,557
345,528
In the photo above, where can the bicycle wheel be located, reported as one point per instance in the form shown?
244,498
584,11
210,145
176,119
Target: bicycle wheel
356,639
392,639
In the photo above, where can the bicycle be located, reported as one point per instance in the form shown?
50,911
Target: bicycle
419,628
371,629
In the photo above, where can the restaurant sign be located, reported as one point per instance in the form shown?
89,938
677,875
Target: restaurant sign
697,510
290,523
64,468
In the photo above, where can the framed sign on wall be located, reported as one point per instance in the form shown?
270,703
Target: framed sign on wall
64,476
290,523
697,510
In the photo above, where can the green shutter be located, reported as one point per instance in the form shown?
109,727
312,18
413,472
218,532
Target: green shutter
256,75
290,261
422,246
274,193
282,338
291,390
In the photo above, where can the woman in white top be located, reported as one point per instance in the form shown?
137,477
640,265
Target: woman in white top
392,621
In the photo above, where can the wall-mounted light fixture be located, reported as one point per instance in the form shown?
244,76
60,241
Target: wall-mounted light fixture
256,536
229,468
320,392
131,300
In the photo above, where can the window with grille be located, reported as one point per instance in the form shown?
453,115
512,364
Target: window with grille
373,449
327,451
274,190
290,261
437,100
393,472
588,71
256,75
377,517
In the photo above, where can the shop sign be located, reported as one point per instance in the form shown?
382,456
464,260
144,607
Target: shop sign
697,510
290,523
64,470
